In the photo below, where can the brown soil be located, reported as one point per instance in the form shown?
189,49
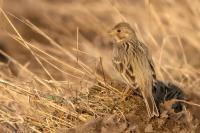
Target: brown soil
137,121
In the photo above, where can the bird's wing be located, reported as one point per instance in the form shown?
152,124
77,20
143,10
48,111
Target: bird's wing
151,63
147,88
149,58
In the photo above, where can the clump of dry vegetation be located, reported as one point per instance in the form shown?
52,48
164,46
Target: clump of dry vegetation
56,72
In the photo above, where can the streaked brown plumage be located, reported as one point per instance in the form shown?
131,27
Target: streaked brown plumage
133,61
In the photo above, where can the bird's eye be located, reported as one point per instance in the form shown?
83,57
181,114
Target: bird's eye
118,30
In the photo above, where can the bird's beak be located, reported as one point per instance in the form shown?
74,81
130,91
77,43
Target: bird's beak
111,32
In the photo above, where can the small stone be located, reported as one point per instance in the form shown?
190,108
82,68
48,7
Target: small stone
164,114
149,128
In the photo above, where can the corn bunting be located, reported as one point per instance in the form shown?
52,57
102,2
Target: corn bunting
133,61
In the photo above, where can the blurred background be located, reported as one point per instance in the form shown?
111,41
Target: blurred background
169,28
63,42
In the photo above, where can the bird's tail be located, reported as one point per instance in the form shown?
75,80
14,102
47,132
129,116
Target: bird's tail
152,109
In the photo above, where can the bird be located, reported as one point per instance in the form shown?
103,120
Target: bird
132,59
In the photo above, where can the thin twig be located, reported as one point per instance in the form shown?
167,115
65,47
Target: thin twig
187,102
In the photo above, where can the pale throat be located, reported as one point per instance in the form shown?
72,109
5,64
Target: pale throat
122,37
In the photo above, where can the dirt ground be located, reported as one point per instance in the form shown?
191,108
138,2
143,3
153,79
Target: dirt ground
136,120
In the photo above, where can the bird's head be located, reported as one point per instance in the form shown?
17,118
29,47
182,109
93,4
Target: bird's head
122,31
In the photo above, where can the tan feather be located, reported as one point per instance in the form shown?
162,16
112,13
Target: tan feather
133,61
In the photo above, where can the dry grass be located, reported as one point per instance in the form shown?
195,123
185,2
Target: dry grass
59,72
